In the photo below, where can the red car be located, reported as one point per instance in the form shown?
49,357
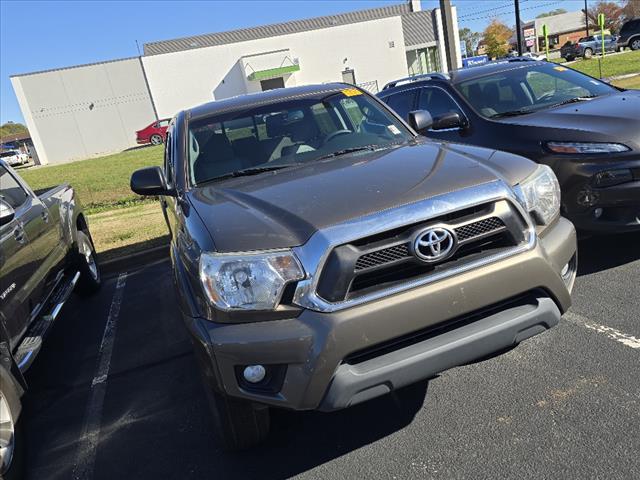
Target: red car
154,133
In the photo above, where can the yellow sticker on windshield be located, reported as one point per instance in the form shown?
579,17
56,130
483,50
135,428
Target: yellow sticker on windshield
560,69
351,92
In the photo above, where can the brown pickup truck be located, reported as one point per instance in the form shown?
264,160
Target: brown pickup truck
325,254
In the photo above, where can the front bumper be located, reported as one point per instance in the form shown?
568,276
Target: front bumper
612,209
526,293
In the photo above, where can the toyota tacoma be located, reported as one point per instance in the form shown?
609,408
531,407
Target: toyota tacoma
325,254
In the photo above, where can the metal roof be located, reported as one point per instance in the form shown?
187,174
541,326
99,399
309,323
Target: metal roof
418,28
416,25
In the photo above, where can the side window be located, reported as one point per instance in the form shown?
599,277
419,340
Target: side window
168,159
10,190
402,102
323,119
353,112
437,102
163,123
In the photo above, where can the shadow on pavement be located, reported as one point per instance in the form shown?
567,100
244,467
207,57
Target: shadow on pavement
602,252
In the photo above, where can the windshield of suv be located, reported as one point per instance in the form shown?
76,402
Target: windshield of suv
9,153
528,89
289,133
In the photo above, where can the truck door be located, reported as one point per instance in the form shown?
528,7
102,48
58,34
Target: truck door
17,263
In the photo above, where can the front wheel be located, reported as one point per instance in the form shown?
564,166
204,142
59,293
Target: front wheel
588,53
87,264
10,433
156,139
238,424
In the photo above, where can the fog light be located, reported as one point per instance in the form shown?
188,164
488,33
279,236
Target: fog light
565,270
254,373
597,213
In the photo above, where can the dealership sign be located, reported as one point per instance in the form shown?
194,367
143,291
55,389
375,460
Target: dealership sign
473,61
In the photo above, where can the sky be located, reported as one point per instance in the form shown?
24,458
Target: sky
39,35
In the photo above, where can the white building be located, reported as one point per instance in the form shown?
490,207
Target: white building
90,110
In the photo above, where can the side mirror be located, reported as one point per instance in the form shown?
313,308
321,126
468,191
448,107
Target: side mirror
420,120
150,181
448,120
7,213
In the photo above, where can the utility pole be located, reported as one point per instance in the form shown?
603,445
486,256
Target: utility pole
586,16
518,27
447,30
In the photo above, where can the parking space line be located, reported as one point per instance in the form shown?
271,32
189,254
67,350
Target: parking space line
613,333
88,444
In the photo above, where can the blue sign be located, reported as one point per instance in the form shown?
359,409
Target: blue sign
473,61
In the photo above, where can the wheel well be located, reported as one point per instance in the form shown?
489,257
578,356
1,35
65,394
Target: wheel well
81,223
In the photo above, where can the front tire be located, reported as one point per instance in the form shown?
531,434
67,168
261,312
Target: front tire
238,424
588,53
11,441
156,139
87,264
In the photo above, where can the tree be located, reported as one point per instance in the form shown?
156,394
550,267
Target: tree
613,18
496,37
11,128
470,39
557,11
630,9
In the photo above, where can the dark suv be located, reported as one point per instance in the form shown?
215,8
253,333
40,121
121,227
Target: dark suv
630,35
586,130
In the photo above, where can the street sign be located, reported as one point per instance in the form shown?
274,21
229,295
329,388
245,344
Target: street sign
545,33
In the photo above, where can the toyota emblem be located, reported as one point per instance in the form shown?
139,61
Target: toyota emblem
434,244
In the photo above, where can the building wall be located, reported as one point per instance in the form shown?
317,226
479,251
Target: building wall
84,111
184,79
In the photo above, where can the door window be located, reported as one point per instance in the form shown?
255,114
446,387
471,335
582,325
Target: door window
10,190
168,159
402,102
437,102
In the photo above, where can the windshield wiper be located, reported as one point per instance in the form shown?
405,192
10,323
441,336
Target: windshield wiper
573,100
348,150
511,113
248,172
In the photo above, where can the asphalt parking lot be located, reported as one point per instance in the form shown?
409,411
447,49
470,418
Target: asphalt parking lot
116,393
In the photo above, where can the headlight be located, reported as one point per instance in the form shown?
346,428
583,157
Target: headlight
586,147
540,194
248,281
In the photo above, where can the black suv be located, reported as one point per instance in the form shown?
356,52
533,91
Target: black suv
630,35
586,130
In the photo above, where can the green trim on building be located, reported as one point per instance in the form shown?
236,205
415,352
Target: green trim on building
273,72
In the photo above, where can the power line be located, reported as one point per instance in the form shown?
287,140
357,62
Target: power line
506,5
539,5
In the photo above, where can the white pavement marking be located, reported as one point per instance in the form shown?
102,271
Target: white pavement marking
613,333
88,445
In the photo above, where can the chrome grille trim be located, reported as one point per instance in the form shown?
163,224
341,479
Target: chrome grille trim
314,253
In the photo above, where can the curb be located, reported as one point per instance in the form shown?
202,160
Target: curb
129,262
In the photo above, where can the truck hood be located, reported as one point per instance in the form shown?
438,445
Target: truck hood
284,208
610,118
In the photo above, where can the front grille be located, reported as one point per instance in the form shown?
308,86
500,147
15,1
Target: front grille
476,229
380,261
380,257
399,252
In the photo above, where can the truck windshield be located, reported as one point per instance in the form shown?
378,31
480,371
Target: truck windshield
528,89
292,132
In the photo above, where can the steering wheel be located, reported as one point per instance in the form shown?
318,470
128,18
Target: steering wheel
333,135
546,97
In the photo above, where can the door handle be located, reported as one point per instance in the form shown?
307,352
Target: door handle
18,233
45,216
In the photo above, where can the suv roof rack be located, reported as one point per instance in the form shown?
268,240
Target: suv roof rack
416,78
